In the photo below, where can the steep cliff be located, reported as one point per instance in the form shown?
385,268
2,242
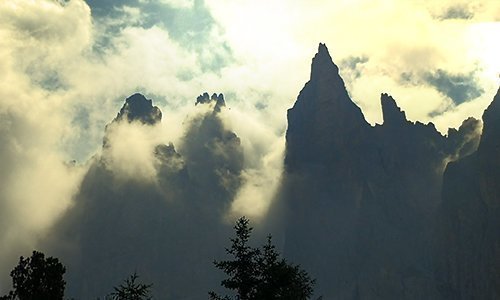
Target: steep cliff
362,199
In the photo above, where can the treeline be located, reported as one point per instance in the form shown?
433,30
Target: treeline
252,274
40,278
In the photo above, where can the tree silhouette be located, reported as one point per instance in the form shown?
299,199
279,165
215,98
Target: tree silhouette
243,276
131,290
256,274
37,278
279,279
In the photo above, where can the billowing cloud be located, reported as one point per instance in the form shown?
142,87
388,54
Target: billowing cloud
37,179
393,36
459,88
143,204
132,153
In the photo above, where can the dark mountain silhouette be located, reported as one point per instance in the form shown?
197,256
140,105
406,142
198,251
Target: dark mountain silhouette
168,229
138,108
362,200
217,99
391,211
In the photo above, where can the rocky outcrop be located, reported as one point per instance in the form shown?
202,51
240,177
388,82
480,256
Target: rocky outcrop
217,100
362,199
393,115
324,124
168,228
368,213
213,154
138,108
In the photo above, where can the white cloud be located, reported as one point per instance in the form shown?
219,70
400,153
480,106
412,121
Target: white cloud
37,183
395,36
130,155
179,3
263,148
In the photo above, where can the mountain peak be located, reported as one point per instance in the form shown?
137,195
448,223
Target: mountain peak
322,63
217,99
323,117
323,49
138,108
391,112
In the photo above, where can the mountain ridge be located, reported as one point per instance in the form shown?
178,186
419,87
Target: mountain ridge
365,198
371,212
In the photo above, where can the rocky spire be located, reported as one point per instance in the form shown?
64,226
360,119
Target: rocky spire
323,117
322,63
138,108
217,99
391,112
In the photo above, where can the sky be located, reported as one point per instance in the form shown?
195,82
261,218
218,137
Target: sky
67,66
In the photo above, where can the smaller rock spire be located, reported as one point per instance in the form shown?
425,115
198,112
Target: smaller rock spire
206,99
390,111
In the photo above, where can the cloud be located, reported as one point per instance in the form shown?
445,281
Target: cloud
179,3
457,12
262,165
352,67
131,151
459,88
152,207
37,180
188,23
393,36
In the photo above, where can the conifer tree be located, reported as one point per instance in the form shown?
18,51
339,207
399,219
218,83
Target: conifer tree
260,274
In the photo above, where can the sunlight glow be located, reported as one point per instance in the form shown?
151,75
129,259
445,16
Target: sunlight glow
486,49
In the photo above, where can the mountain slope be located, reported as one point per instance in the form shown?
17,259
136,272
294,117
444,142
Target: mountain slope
362,199
167,223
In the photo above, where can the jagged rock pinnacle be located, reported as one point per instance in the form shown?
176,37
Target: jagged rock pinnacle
206,99
138,108
391,112
322,63
323,117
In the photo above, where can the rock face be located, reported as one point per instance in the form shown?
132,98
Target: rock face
324,121
362,200
392,211
135,109
468,236
168,228
138,108
218,100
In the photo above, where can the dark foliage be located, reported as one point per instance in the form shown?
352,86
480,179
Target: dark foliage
37,278
131,290
279,279
260,273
